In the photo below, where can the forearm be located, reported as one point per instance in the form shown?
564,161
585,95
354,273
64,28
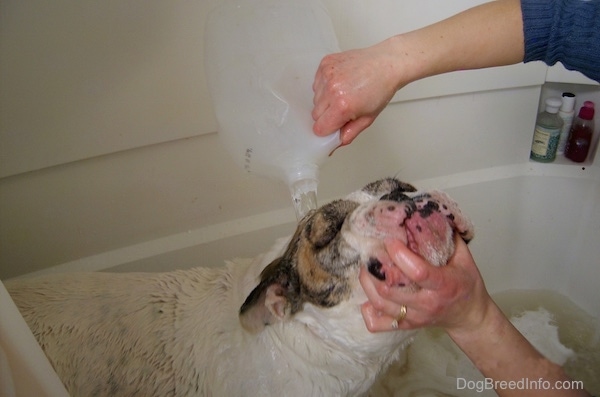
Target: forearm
514,357
484,36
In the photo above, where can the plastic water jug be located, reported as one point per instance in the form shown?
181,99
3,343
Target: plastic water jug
260,61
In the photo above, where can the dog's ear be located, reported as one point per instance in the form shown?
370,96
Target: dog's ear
270,301
268,305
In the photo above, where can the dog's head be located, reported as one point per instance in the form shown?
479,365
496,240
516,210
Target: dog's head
321,263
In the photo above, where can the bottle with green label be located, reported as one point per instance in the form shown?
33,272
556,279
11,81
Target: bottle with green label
547,132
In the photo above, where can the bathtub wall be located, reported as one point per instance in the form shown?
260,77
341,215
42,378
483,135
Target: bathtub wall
537,227
109,157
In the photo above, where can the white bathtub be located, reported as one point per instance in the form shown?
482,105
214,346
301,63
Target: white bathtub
537,227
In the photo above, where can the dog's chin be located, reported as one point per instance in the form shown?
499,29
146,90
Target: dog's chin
431,238
436,251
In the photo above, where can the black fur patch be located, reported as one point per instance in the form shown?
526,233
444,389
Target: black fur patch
429,209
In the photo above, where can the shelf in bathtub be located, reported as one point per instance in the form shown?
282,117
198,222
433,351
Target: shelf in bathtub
561,160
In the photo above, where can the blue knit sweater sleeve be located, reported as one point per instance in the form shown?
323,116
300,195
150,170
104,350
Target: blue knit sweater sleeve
563,30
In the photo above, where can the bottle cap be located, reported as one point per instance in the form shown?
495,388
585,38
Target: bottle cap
586,113
553,104
568,102
588,104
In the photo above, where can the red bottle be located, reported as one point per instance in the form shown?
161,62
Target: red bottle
580,137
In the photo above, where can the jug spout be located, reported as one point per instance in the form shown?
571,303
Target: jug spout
304,196
303,181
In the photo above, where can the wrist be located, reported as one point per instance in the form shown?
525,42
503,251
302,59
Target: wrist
485,318
419,54
488,340
406,62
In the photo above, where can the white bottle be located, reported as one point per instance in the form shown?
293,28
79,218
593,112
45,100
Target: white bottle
566,113
261,57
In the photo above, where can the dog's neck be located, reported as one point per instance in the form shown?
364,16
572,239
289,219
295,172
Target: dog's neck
342,327
332,344
331,348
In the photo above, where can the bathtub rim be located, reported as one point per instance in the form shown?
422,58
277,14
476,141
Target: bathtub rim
192,238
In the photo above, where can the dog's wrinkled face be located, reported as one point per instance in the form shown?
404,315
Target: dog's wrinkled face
331,243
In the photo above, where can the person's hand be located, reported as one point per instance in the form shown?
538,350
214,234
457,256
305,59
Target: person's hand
453,296
351,89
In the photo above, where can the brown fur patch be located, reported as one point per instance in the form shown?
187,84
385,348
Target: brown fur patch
318,286
312,269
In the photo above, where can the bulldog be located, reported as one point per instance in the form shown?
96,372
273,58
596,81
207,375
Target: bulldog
287,323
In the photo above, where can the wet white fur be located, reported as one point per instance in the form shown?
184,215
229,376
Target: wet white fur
197,342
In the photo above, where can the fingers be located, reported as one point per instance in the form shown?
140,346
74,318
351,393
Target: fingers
351,129
382,313
346,95
462,256
444,296
319,109
377,321
375,296
330,111
321,104
421,272
332,119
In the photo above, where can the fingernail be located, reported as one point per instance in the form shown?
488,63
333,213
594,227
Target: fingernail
337,147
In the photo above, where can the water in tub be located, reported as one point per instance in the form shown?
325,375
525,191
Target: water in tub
555,325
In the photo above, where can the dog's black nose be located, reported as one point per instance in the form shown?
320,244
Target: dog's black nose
375,268
398,196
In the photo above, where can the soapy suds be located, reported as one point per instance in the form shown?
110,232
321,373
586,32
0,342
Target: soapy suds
555,325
